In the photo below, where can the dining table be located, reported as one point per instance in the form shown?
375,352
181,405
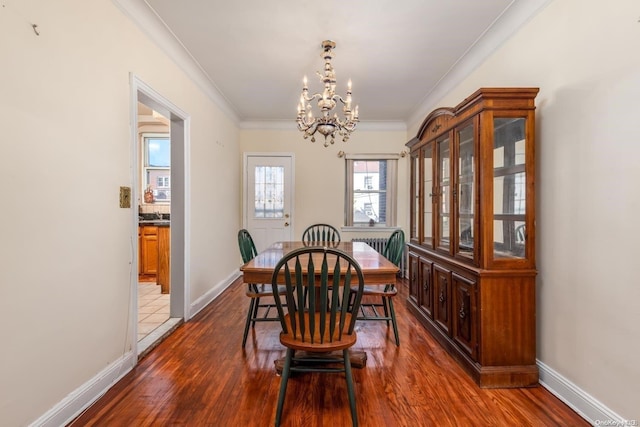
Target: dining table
376,269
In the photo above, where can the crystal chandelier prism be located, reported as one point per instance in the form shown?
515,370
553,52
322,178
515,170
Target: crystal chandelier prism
327,124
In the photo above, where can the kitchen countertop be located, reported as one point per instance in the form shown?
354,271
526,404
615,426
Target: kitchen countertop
155,222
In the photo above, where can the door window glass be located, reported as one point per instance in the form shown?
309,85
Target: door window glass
269,192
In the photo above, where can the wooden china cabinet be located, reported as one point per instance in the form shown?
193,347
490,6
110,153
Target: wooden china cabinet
472,237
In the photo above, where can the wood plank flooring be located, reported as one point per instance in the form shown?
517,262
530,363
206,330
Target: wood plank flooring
200,376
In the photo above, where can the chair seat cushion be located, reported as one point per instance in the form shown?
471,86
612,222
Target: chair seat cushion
377,290
318,345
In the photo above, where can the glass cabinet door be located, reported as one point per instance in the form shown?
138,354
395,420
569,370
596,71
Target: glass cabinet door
427,161
443,235
415,195
465,191
509,188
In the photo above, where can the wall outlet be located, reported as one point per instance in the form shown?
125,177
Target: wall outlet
125,197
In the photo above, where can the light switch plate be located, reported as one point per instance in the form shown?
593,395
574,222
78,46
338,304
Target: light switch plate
125,197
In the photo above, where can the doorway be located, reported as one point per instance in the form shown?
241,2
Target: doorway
177,125
268,203
154,219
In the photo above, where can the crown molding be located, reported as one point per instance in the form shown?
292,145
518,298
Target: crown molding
380,126
151,25
505,26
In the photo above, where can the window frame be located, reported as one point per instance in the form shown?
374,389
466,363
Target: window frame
144,183
391,189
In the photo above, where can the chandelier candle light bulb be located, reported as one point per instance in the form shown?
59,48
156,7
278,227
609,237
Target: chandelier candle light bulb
326,124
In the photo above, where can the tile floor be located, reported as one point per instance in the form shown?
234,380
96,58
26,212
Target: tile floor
153,308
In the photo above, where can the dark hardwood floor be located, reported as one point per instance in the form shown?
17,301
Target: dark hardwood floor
200,376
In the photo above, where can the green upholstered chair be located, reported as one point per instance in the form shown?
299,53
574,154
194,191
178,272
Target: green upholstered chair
321,233
317,322
258,311
378,297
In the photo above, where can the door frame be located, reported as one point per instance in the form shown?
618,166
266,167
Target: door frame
179,134
245,189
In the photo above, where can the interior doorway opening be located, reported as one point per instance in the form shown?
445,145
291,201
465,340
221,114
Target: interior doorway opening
159,191
153,136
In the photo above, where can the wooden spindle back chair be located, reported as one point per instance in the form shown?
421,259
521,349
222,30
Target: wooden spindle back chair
318,284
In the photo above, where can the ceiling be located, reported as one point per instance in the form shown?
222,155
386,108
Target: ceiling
398,53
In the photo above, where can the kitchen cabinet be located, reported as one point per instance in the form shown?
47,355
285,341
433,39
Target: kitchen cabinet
472,233
148,251
164,265
154,255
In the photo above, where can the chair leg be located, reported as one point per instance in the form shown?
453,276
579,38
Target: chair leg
385,306
393,321
283,384
248,322
256,306
350,390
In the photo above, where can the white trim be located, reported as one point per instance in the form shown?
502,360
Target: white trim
139,89
372,156
213,293
85,395
577,399
147,343
391,187
269,124
379,126
186,276
245,189
151,24
519,13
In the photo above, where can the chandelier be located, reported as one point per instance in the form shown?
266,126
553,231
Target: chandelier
326,124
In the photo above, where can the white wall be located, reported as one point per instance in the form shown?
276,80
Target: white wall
584,57
66,246
320,173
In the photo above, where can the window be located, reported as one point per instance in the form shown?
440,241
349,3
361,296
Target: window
269,192
157,166
371,190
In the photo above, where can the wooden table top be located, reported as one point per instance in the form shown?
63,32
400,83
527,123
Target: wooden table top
375,267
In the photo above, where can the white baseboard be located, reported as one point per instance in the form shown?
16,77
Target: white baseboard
83,397
577,399
212,294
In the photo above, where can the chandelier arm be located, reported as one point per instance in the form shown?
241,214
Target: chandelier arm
346,123
339,98
303,124
314,96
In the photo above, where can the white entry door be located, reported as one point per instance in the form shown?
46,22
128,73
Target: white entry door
269,198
